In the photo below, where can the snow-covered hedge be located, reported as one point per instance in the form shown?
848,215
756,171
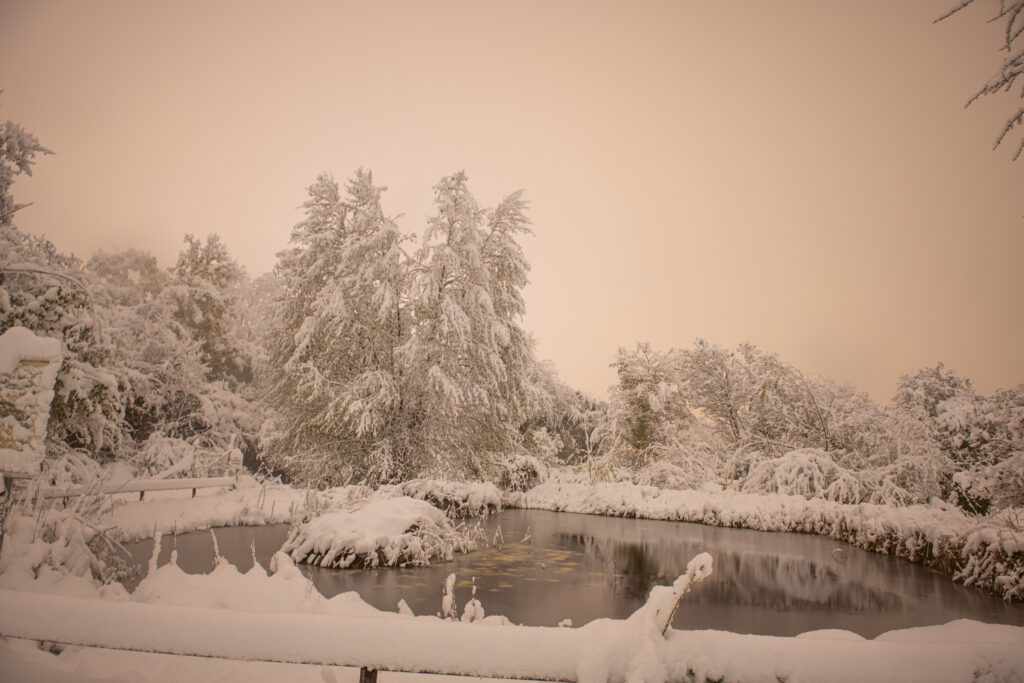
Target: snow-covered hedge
386,532
984,552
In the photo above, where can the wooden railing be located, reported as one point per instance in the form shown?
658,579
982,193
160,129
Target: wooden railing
140,485
369,643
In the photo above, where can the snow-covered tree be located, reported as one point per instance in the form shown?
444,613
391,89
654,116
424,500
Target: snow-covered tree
383,367
468,359
176,413
18,149
753,398
646,405
559,414
205,295
972,430
43,290
332,365
1011,14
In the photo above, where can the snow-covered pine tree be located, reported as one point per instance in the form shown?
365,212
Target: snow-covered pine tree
18,150
372,275
331,370
467,360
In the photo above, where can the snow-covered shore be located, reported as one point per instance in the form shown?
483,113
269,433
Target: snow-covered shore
251,503
983,552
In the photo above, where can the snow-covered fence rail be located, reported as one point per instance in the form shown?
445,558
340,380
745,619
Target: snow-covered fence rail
140,485
373,643
388,642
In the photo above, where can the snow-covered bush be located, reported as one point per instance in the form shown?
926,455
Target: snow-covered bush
388,532
51,540
807,472
688,473
999,486
521,473
543,444
814,473
165,456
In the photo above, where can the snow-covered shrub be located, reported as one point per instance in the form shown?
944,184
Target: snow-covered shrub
165,456
543,444
738,463
521,473
686,462
458,499
70,467
807,472
388,532
669,475
1000,485
60,540
814,473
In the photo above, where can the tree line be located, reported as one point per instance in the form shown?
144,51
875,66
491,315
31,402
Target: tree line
371,356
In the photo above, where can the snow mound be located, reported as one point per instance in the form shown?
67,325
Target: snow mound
19,344
388,532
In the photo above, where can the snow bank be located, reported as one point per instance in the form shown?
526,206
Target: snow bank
984,552
458,499
248,504
252,503
386,532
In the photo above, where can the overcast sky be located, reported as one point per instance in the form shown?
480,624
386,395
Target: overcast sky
801,175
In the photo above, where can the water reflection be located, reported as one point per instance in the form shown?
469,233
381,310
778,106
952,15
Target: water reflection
553,566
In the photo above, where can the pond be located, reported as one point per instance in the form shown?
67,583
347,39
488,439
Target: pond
544,567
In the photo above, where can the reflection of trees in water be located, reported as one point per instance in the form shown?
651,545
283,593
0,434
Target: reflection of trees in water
632,568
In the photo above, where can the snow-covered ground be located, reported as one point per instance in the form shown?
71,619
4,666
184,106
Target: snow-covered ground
252,503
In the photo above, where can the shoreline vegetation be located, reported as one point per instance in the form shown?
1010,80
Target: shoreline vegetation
984,552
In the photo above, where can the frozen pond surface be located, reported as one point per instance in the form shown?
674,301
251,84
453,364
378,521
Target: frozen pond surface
585,567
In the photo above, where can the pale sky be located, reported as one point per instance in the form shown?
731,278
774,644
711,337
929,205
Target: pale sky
801,175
